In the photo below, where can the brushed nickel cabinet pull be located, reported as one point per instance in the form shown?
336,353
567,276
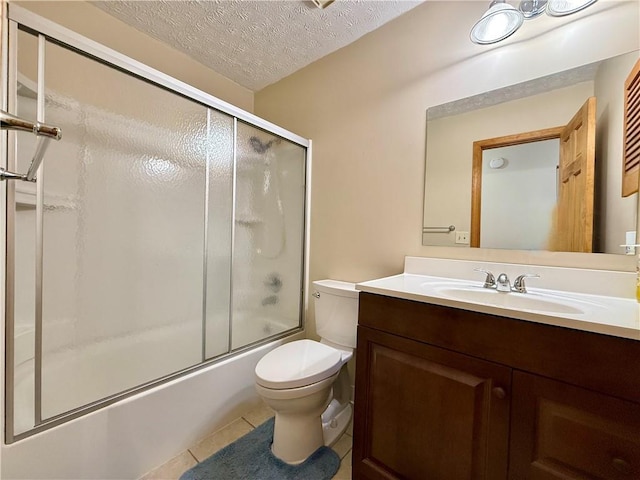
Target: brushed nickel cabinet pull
499,392
621,465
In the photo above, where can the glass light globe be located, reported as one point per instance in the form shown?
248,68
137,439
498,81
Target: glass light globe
559,8
497,23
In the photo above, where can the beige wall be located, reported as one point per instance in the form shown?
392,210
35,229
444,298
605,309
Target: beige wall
364,107
619,212
93,23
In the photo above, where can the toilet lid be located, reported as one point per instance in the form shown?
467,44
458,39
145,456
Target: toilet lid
297,364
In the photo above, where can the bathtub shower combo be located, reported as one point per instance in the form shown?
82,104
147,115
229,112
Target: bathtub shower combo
165,231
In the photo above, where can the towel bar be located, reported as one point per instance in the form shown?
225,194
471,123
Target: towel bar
448,229
44,132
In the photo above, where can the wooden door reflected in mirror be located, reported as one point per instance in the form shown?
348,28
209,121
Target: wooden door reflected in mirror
539,187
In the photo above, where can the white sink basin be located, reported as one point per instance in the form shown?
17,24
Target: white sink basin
450,283
531,301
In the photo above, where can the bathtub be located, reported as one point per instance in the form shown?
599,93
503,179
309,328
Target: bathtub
132,436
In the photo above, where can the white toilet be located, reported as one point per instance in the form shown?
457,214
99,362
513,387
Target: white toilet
306,382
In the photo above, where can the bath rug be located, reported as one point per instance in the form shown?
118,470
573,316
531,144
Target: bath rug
250,458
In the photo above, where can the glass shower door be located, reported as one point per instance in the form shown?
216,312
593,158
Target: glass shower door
220,170
163,231
269,235
124,231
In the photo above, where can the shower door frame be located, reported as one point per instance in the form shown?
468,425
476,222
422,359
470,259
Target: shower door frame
14,16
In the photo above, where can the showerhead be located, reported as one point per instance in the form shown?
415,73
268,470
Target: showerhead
259,146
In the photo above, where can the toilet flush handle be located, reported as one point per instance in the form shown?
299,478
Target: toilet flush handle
316,294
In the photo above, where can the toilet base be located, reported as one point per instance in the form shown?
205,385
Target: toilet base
292,447
333,429
295,438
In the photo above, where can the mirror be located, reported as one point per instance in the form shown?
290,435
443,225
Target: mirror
511,209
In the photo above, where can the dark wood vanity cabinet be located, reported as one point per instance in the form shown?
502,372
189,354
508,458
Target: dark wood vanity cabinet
448,394
559,431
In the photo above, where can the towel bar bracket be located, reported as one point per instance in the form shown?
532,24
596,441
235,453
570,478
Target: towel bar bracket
44,134
7,175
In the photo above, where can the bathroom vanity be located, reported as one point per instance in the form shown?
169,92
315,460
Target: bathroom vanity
452,389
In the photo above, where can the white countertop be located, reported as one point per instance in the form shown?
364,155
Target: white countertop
610,315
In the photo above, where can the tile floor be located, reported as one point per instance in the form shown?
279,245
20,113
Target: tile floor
226,435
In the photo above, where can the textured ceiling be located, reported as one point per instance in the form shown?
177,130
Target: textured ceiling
256,43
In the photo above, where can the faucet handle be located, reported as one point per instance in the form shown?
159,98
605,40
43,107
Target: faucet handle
518,283
490,280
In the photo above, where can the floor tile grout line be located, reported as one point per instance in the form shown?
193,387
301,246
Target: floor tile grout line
250,424
215,432
342,457
192,455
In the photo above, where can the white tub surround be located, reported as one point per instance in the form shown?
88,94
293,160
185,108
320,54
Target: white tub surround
598,301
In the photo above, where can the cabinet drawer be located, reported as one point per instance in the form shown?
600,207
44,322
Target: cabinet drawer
559,431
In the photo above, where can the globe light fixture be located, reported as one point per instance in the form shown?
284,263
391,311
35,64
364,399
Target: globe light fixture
498,22
502,20
560,8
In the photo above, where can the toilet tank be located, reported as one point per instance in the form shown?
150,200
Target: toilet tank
336,307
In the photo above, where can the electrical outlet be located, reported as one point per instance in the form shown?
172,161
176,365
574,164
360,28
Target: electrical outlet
630,240
462,238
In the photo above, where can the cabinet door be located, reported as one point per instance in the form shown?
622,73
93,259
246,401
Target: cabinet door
423,412
559,431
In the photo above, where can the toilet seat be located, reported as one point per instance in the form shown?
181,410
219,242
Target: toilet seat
298,364
296,393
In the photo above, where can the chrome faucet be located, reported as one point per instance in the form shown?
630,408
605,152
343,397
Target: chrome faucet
502,284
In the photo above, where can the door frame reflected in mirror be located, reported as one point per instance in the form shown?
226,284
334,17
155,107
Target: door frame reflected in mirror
476,168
